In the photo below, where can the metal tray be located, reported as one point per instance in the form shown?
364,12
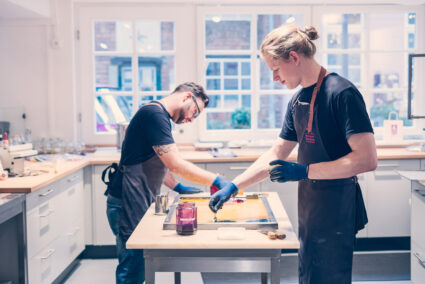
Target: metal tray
270,224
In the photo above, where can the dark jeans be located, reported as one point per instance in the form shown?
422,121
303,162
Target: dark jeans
131,263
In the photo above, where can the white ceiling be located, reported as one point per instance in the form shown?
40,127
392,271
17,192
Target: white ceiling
224,2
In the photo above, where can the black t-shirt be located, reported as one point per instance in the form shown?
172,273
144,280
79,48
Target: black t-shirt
341,112
149,127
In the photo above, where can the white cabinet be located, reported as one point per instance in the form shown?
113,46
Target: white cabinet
42,267
42,226
72,219
55,227
388,197
232,170
418,214
417,264
418,233
102,234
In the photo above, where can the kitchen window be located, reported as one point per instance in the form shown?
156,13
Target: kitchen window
245,102
129,56
367,45
370,47
116,98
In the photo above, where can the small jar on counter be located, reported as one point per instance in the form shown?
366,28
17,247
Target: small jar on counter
186,218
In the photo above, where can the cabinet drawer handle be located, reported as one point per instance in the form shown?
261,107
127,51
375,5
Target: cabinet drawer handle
383,173
46,193
388,166
47,214
421,192
71,179
238,168
75,231
49,254
418,256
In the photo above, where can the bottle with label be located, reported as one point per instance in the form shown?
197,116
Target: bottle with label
5,141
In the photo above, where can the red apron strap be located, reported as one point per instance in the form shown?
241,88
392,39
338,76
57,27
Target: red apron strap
313,98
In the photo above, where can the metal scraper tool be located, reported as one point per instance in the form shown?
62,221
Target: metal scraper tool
215,217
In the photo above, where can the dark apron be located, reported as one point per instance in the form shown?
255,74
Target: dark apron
330,212
140,184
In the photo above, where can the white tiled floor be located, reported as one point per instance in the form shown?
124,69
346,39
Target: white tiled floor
103,271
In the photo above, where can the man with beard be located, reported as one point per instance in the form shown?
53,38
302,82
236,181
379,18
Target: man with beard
148,152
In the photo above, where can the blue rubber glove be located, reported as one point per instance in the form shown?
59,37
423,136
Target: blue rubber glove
282,171
220,197
219,182
181,189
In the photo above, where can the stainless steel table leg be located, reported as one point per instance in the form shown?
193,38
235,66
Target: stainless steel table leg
177,278
275,270
263,278
149,271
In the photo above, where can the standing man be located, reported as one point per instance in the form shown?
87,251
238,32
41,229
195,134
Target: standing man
328,120
148,152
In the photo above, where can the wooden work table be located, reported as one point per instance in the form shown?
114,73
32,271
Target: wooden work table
149,234
55,171
165,250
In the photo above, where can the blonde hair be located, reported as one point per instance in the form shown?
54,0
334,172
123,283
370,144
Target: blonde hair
284,39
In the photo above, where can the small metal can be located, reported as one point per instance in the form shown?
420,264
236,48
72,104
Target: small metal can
161,204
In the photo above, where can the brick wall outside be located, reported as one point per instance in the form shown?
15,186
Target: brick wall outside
105,32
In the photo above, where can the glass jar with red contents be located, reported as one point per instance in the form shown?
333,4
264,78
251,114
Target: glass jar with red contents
186,218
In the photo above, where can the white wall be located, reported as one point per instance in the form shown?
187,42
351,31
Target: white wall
37,74
23,72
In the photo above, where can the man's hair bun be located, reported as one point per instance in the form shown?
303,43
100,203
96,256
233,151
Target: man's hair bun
311,32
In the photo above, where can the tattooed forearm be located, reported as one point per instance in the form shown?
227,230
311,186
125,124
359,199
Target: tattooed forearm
164,149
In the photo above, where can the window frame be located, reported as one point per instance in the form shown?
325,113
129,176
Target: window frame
366,53
86,15
241,134
189,41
